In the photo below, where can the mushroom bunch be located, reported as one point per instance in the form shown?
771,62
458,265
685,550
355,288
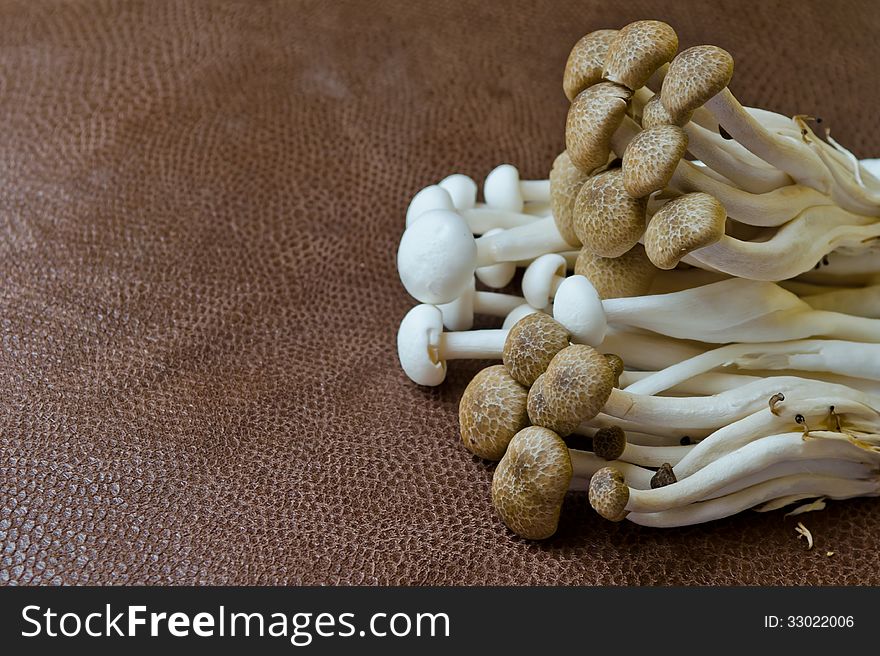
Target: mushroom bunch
699,306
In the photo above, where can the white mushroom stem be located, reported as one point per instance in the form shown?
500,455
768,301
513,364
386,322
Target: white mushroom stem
794,487
483,219
522,243
795,248
852,415
851,359
736,310
471,345
804,163
701,385
584,464
648,351
504,189
862,302
720,409
747,461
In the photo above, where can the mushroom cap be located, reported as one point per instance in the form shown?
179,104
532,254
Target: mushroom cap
651,157
501,189
683,225
609,442
578,308
617,366
531,344
459,314
638,50
432,197
593,118
462,189
664,476
537,281
492,410
654,114
577,383
418,345
617,277
437,257
607,220
539,413
565,182
609,494
530,482
585,62
695,76
496,275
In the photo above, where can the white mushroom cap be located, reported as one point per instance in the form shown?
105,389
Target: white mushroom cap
462,189
459,314
437,257
501,189
418,345
518,313
537,282
578,308
430,198
496,275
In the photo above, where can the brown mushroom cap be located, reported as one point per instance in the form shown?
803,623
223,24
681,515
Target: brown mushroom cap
637,51
695,76
617,277
539,413
593,117
683,225
609,442
664,476
585,61
651,157
609,494
531,344
617,366
607,220
492,410
654,114
530,482
566,181
577,383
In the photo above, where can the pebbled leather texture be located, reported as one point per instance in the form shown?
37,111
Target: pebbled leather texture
199,214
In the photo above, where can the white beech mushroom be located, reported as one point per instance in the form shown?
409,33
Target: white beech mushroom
530,482
459,314
504,189
424,348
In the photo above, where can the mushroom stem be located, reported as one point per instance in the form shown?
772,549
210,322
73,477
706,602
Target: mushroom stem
812,412
746,461
864,302
822,355
803,485
522,243
585,464
472,344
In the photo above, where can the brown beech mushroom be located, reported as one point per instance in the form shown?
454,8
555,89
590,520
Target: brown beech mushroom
695,76
492,410
654,114
609,442
566,181
651,158
683,225
577,383
540,414
585,61
637,51
530,482
609,494
630,274
593,118
608,220
531,345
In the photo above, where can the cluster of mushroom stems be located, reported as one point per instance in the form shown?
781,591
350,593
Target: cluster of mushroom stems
699,305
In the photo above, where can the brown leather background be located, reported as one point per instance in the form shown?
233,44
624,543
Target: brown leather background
200,205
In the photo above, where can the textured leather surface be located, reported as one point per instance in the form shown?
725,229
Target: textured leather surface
200,205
